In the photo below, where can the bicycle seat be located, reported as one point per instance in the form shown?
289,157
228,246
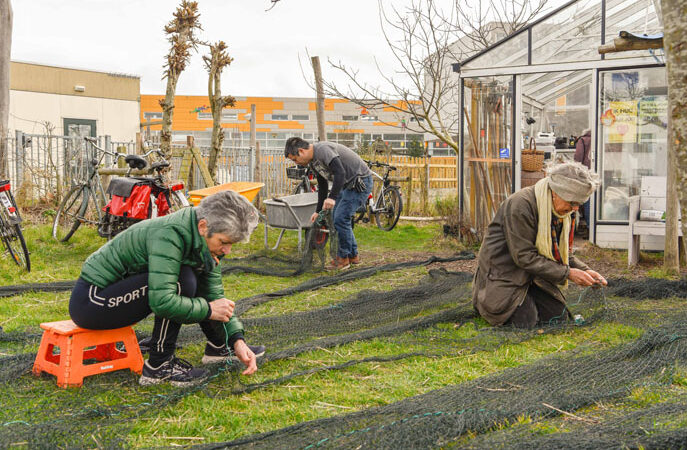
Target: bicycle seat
159,165
135,162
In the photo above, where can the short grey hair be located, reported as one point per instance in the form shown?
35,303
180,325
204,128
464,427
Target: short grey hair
572,181
229,213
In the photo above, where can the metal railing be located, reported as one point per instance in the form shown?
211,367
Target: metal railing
238,164
45,166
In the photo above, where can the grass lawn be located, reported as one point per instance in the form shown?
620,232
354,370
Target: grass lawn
220,411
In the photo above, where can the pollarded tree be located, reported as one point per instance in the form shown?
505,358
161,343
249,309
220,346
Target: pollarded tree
675,44
5,45
215,63
181,36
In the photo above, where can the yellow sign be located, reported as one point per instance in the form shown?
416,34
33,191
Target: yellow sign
623,128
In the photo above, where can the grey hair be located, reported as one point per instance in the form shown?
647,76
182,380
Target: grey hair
572,181
229,213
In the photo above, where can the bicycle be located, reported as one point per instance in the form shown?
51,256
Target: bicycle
308,183
388,205
74,209
10,228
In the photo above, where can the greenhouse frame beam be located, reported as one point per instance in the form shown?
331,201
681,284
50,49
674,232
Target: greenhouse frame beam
558,67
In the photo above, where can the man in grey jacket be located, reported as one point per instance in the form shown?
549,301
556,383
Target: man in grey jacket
526,253
351,185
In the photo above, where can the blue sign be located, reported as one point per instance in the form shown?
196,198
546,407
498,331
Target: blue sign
504,153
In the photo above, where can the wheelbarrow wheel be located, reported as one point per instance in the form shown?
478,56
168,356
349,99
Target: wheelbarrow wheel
317,237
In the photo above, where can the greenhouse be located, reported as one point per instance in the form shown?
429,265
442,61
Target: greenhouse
542,87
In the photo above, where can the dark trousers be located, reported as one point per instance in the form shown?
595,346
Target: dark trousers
538,308
347,203
125,303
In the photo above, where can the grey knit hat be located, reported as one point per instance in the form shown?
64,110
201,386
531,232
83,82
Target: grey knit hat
572,181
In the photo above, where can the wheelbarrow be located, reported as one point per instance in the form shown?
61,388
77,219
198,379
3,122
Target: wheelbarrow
292,212
248,189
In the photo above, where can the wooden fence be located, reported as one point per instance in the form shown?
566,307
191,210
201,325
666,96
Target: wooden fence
421,178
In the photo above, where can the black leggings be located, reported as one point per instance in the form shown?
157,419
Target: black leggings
125,303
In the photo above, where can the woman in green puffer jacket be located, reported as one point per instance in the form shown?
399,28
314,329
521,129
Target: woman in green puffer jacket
169,266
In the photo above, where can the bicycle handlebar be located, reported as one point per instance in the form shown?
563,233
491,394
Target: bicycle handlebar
379,164
93,141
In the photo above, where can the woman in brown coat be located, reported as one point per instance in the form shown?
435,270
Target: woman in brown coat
526,254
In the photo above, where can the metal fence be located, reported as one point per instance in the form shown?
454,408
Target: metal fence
43,167
238,164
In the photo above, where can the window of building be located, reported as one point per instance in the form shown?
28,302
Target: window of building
226,116
350,118
280,117
152,115
300,117
417,119
369,118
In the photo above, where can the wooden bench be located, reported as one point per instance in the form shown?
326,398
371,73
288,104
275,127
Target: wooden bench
652,196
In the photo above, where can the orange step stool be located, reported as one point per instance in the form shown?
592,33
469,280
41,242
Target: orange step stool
78,345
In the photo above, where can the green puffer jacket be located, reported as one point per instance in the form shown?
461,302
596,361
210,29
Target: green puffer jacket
160,247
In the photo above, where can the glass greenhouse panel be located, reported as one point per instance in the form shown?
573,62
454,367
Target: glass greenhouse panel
635,16
633,133
557,104
487,147
512,52
573,34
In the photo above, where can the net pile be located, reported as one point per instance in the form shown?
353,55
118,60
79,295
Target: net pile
420,316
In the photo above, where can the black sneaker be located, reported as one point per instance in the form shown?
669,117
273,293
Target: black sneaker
144,344
220,354
176,371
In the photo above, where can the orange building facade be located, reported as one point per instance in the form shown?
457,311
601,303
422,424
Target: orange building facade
277,119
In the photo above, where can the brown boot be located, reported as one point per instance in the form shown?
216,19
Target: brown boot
339,264
354,259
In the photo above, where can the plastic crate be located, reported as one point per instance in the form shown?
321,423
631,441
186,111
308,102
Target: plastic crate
296,173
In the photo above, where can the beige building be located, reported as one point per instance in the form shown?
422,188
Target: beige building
73,101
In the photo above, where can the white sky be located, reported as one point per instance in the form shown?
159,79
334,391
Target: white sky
126,36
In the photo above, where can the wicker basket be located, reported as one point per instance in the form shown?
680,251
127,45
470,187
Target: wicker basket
532,159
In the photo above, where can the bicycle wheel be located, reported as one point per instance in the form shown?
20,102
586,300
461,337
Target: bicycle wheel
387,217
301,188
70,214
177,200
11,235
16,245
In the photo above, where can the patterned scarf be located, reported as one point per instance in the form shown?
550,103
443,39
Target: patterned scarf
548,243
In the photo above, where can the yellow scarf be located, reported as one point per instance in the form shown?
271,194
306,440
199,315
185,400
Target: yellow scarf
544,210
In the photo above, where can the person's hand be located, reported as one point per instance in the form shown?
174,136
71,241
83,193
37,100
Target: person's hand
221,309
597,277
246,356
581,278
313,218
329,203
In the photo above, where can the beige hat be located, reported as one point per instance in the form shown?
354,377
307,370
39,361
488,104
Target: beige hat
572,181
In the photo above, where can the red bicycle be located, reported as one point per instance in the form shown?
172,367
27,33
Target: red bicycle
10,227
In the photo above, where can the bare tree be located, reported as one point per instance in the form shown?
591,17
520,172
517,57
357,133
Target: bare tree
215,63
181,36
425,41
482,23
675,44
5,45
